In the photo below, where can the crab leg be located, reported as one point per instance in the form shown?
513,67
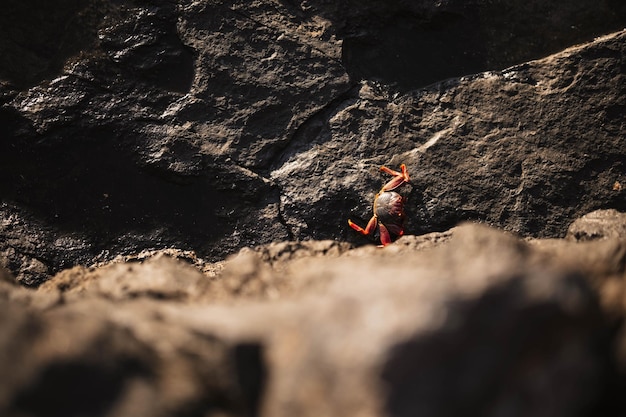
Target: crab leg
385,238
371,226
398,179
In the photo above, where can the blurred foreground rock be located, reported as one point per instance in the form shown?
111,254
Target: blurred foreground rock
472,321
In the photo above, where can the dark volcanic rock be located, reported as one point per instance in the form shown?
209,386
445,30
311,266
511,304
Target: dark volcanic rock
157,134
506,148
210,126
413,43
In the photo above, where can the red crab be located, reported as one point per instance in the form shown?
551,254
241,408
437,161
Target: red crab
388,208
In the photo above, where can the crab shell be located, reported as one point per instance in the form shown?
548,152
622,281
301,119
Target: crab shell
389,210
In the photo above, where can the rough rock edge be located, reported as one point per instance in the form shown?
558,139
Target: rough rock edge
320,311
275,271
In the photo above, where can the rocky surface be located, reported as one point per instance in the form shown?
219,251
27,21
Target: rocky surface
473,320
176,179
210,126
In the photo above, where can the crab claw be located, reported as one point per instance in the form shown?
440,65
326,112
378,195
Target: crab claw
398,179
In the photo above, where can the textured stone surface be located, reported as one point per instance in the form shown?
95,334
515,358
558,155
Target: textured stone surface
601,224
210,126
495,147
98,358
176,179
478,320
